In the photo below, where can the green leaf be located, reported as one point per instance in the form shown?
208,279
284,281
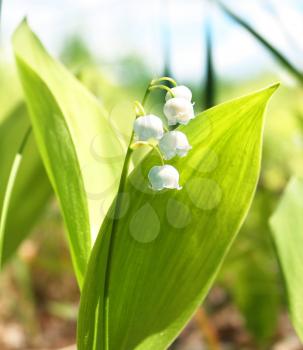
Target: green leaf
255,290
31,190
12,95
287,231
9,189
169,245
80,150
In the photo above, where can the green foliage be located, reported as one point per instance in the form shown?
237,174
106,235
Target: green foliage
79,148
250,272
12,95
75,54
170,245
31,190
9,189
287,232
256,294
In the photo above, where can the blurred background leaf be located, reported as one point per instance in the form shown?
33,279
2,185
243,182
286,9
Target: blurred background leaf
31,191
251,272
287,232
210,80
263,41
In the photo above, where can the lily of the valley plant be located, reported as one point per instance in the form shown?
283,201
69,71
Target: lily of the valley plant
150,130
158,248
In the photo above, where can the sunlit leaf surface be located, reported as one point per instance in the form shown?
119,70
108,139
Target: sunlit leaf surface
81,151
168,246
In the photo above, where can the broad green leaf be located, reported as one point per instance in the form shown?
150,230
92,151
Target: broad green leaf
80,150
61,164
31,190
287,231
151,267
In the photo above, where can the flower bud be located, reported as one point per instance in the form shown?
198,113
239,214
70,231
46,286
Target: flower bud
148,127
180,91
178,110
174,143
164,176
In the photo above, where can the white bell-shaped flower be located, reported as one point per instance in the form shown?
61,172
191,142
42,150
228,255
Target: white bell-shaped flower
174,143
178,110
164,176
180,91
148,127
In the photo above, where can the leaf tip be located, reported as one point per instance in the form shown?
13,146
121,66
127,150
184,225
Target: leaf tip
24,21
268,91
271,89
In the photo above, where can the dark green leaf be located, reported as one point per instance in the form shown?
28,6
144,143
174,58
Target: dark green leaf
31,190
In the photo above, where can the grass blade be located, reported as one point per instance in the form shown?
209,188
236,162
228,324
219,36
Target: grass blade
265,43
210,81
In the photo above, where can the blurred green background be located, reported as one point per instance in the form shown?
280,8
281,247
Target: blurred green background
115,48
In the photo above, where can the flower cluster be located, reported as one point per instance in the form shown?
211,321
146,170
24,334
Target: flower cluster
150,130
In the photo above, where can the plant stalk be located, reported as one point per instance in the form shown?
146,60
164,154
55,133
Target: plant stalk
113,237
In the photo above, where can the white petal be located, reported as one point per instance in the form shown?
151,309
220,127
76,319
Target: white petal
180,91
164,176
178,110
174,143
148,127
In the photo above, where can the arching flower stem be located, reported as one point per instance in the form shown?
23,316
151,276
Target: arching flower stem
139,109
158,80
162,87
145,143
156,148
